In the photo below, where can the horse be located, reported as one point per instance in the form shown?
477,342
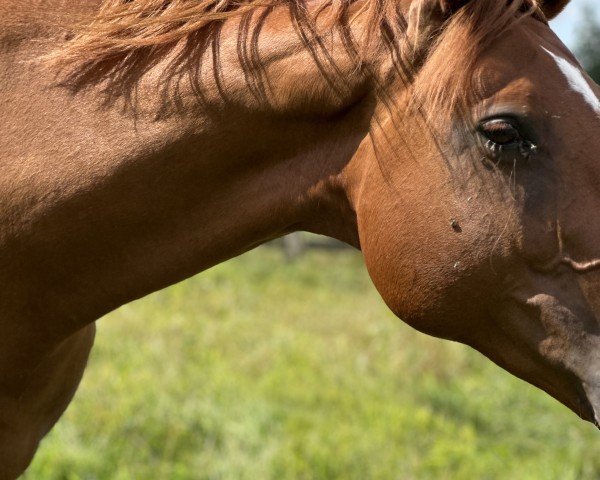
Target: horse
454,142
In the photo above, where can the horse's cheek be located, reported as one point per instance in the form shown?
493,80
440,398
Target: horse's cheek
431,274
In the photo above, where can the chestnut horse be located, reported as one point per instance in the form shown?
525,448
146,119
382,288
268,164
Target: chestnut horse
455,142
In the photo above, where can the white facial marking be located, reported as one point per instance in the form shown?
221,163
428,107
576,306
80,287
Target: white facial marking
577,81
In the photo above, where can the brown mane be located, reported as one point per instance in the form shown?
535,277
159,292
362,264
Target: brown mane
126,37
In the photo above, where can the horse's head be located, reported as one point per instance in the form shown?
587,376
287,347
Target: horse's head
489,231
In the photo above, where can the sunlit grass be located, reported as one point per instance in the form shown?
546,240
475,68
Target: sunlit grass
261,369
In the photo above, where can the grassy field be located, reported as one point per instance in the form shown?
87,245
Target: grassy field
261,369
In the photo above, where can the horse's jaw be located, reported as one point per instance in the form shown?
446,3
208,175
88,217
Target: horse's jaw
572,347
550,341
592,392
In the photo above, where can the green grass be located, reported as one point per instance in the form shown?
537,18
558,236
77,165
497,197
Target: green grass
258,369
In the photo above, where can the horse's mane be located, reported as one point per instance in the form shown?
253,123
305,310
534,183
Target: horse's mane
125,36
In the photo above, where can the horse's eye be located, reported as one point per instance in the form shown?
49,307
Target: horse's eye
504,140
501,132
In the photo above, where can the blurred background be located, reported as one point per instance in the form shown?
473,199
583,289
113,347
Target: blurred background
285,364
579,28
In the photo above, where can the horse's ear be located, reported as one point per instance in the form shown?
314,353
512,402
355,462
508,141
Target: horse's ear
425,18
552,8
450,6
432,10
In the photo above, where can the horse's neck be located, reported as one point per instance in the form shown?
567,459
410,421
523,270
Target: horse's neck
101,206
22,21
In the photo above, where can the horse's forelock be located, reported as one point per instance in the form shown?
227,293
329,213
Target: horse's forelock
446,82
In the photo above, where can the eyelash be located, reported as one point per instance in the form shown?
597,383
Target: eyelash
525,148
